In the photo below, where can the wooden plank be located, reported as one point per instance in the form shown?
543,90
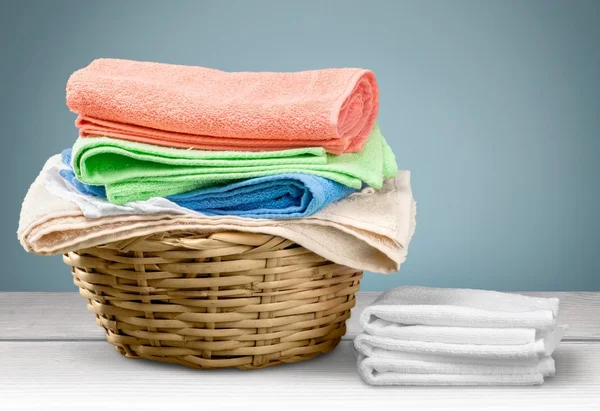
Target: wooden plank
62,316
92,375
46,316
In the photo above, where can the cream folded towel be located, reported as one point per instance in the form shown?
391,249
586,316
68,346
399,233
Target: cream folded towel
370,230
413,305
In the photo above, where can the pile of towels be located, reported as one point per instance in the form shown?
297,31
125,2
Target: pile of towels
434,336
165,147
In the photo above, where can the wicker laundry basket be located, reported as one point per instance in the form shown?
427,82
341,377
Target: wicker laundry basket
226,299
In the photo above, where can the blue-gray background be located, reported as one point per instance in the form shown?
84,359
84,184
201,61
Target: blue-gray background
493,105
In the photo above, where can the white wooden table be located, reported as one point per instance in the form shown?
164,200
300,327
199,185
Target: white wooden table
53,356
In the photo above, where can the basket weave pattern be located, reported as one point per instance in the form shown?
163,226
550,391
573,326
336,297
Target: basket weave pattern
218,300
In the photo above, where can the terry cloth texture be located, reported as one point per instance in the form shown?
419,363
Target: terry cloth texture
441,336
275,196
370,230
184,106
372,346
455,307
134,171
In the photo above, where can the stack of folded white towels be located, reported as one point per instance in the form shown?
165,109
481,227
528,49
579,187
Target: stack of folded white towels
436,336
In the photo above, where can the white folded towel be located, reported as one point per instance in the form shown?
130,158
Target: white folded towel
375,371
389,370
448,359
413,305
453,335
434,336
372,346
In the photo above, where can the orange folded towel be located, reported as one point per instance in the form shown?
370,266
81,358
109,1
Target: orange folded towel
184,106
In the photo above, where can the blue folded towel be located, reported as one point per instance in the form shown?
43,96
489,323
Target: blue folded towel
275,196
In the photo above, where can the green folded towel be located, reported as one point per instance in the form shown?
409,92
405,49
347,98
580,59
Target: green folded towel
135,171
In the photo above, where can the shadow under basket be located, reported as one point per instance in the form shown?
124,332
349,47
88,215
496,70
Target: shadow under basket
227,299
